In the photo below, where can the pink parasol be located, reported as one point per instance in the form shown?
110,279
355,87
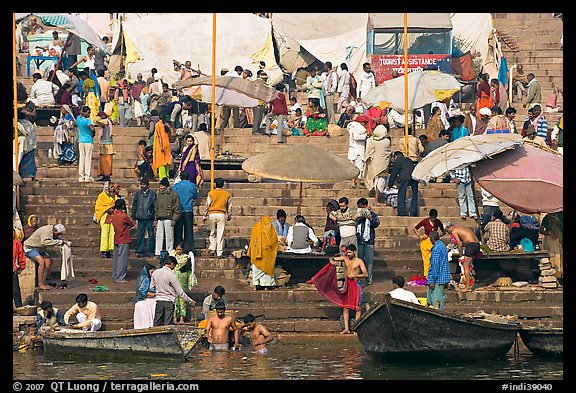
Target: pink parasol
528,179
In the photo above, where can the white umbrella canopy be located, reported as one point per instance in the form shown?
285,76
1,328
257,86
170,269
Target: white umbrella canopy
424,87
72,24
230,90
463,152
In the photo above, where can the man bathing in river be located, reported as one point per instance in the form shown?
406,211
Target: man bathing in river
355,269
259,335
468,247
218,329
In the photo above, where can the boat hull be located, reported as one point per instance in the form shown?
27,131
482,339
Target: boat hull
151,343
547,343
400,331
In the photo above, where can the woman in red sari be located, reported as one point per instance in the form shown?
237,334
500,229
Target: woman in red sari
484,94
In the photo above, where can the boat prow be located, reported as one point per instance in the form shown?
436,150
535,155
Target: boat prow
396,330
544,342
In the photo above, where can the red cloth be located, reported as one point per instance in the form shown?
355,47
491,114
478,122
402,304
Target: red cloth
463,66
327,284
374,116
18,256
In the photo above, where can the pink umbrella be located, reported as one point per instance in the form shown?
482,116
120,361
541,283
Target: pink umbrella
528,179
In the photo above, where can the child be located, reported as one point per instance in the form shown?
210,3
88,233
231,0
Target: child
143,167
296,122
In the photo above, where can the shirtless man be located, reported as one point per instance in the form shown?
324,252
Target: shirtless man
218,328
355,270
259,335
468,245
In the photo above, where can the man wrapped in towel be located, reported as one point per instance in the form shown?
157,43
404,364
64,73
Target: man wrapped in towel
350,295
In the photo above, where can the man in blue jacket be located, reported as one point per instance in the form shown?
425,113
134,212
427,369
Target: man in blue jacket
143,212
184,228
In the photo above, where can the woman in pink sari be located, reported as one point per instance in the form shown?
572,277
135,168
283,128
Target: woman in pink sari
373,117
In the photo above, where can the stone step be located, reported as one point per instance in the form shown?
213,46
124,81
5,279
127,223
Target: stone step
270,210
236,189
71,172
239,242
260,204
324,310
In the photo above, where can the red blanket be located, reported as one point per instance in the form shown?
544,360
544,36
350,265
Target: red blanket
327,284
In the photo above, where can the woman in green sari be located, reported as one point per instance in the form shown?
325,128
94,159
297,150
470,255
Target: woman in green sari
185,273
316,122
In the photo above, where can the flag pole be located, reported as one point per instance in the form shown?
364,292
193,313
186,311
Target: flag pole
212,115
406,81
15,86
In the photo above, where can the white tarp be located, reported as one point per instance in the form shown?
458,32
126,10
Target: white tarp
472,31
335,37
326,36
349,48
161,38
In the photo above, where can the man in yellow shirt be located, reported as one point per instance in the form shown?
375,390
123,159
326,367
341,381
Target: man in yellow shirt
218,211
415,147
86,313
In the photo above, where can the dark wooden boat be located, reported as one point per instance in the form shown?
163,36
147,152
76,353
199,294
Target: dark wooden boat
171,342
396,330
545,342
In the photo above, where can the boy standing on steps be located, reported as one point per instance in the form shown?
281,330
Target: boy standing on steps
218,211
122,239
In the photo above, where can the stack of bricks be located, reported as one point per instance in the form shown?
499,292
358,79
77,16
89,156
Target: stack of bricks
547,272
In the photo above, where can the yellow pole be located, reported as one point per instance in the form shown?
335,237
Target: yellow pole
406,81
212,117
14,79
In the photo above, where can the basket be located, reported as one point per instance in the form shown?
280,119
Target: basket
26,311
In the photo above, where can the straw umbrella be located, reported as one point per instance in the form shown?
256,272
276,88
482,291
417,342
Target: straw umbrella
301,163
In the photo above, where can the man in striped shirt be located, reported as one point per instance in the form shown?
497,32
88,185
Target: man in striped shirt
541,124
438,273
464,185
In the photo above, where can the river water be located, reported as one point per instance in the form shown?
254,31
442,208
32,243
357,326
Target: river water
284,362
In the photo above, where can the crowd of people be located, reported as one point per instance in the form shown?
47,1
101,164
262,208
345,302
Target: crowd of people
177,128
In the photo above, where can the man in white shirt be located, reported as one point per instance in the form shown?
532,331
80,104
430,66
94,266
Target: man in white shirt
42,91
400,293
343,86
366,81
299,235
329,86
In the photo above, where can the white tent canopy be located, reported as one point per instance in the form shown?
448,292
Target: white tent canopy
161,38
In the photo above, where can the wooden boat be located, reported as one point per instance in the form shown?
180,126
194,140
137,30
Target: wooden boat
173,342
396,330
545,342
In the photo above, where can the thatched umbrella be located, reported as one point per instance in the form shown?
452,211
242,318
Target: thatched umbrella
301,163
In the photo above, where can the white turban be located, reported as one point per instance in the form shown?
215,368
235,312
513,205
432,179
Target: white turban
60,228
485,111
